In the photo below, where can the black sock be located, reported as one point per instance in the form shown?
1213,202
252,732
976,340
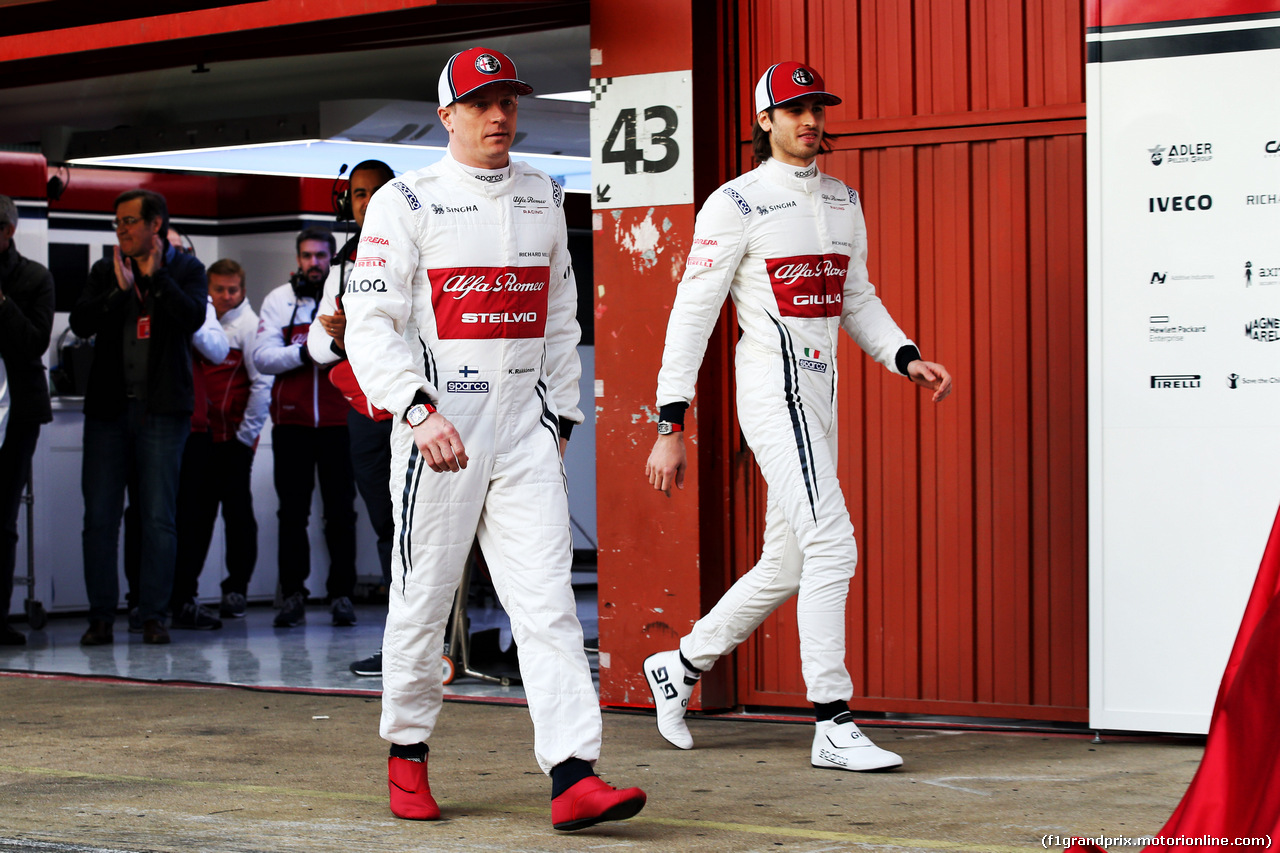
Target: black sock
411,752
828,710
568,773
688,667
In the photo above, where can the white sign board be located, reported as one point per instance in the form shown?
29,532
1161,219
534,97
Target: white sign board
642,140
1184,357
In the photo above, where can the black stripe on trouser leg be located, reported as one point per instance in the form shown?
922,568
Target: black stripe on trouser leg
412,476
429,364
552,426
804,418
545,417
799,424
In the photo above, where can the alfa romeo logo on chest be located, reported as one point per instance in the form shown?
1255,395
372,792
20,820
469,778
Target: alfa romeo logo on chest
487,63
800,76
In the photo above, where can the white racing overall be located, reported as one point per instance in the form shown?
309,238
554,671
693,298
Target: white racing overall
463,289
790,245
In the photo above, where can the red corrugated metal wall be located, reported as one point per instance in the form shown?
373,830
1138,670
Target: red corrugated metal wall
963,129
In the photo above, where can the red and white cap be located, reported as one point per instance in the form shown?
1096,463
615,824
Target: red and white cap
475,67
788,80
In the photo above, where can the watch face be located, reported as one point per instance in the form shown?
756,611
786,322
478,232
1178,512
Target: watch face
664,428
416,414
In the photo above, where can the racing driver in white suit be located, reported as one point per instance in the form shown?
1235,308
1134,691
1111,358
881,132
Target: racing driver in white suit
461,321
790,244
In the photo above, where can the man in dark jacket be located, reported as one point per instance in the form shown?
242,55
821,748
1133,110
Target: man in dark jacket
26,319
143,304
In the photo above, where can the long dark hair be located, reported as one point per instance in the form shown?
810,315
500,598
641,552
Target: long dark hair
760,147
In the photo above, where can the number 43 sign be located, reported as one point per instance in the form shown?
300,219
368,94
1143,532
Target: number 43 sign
642,140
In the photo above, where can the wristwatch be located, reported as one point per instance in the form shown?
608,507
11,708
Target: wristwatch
418,413
667,427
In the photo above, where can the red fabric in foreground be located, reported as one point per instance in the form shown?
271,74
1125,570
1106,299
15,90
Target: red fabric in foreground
1236,791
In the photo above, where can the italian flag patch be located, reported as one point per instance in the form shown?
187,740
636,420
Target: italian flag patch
812,353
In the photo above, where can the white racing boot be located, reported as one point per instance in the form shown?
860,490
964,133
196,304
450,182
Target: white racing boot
839,745
671,688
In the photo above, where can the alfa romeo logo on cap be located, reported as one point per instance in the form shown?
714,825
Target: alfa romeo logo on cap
802,77
488,64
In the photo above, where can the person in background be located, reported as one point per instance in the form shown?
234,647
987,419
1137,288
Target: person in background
144,304
210,346
239,396
26,321
369,426
210,340
309,435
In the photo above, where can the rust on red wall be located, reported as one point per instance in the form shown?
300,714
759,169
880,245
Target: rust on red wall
651,547
648,543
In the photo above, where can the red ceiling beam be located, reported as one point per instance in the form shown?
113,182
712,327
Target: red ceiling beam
194,23
268,28
190,24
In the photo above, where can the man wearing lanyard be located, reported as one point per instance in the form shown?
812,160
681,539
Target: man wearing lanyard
144,303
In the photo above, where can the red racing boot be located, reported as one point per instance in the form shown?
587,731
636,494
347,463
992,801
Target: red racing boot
591,801
410,794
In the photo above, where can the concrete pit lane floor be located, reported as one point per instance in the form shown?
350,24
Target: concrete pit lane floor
104,765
